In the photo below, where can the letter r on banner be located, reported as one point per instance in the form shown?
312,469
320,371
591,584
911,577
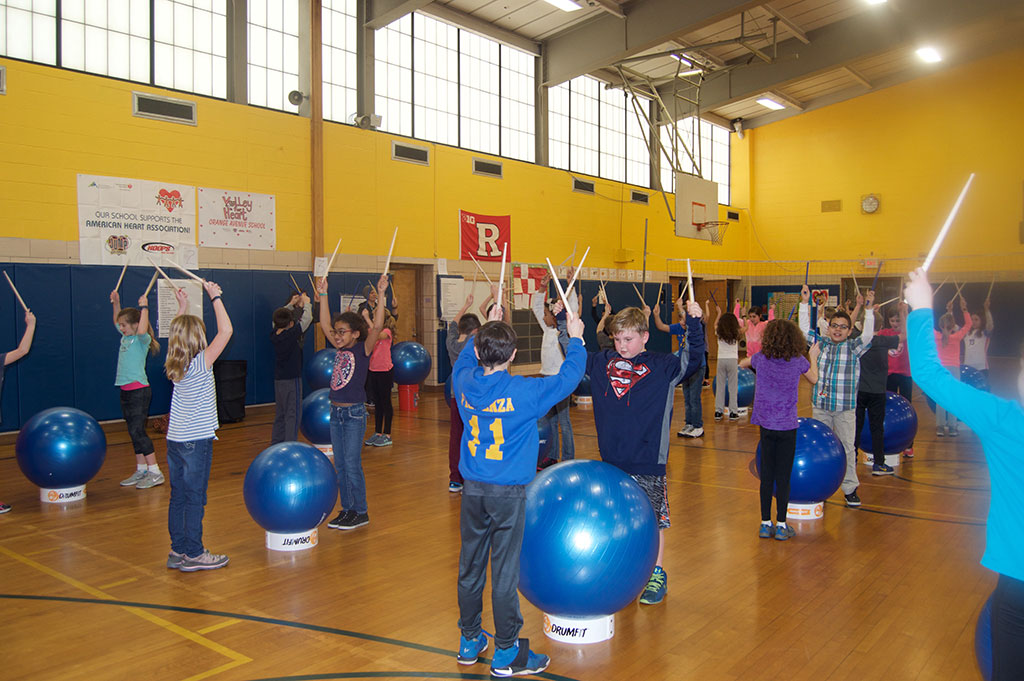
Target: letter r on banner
487,240
482,236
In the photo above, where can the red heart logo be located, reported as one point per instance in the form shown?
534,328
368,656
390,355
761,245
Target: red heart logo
170,200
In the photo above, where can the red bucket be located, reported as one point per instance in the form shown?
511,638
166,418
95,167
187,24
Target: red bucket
408,397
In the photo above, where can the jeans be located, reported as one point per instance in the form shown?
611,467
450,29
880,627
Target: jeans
944,417
188,467
691,393
287,410
135,409
348,427
491,525
558,417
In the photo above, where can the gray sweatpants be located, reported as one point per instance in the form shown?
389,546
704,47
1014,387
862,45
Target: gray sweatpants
727,377
843,424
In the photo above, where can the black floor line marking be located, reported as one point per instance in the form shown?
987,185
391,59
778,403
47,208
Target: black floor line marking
935,484
894,514
294,625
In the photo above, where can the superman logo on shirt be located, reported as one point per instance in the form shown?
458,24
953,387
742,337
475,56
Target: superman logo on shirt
623,375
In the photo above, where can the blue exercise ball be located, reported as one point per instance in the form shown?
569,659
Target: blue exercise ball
544,439
590,540
900,426
448,390
583,388
983,640
744,388
411,363
319,369
316,417
60,447
974,378
819,464
289,488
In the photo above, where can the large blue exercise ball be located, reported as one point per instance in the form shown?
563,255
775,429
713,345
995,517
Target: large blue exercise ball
819,464
316,417
319,368
411,363
590,540
744,388
60,447
974,378
583,389
289,488
900,426
983,640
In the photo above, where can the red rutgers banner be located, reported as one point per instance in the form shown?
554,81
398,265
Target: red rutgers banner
483,236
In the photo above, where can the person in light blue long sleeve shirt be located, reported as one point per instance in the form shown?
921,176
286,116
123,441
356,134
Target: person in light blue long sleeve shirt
999,423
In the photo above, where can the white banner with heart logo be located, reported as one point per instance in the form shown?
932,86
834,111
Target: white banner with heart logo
124,220
231,219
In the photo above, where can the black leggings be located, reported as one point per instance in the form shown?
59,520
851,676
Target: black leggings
135,409
378,384
778,447
1008,630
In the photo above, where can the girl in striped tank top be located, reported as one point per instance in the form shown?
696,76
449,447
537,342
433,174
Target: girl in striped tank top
191,430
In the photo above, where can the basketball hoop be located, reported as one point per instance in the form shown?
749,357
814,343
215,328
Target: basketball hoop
715,230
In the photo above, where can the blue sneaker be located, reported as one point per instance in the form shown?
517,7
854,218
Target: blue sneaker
657,585
766,531
518,660
784,533
882,469
470,648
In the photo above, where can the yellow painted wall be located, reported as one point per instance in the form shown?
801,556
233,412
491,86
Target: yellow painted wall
57,123
914,145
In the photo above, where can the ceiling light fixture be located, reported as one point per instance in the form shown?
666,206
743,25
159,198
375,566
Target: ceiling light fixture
684,60
691,72
876,2
564,5
929,55
769,103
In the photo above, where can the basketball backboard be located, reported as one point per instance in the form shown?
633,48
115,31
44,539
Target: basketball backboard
696,203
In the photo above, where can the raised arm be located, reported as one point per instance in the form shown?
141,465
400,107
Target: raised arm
26,340
181,295
307,313
604,319
662,326
224,328
378,315
143,315
325,312
804,320
868,332
115,302
538,309
464,308
483,305
812,356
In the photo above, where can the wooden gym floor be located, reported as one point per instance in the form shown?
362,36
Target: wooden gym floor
889,591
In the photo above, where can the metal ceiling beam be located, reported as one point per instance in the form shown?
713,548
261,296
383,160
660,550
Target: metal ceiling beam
484,28
380,13
797,32
609,6
605,39
833,46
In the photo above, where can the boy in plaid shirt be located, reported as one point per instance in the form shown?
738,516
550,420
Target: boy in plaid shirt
834,396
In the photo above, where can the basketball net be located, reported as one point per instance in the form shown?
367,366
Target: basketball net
715,230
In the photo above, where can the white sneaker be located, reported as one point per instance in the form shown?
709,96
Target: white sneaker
135,477
150,479
695,432
685,432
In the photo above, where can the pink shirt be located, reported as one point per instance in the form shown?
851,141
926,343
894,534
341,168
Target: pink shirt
754,331
380,358
899,358
949,354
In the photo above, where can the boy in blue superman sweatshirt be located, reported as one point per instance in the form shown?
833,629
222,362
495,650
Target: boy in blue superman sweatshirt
633,391
498,459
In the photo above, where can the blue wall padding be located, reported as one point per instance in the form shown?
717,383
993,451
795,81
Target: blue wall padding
74,356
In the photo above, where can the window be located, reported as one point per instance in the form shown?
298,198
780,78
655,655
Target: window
710,149
393,76
594,129
107,37
436,80
28,30
190,45
338,28
273,52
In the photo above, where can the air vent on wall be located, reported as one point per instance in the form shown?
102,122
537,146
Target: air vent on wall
3,80
582,186
833,206
400,151
732,215
159,108
488,168
639,197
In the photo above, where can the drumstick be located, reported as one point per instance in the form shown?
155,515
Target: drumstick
311,282
642,302
689,279
877,272
294,283
945,225
194,276
151,282
16,294
855,281
891,300
941,284
387,263
160,271
501,278
988,295
658,301
576,271
118,284
807,273
561,294
331,261
481,269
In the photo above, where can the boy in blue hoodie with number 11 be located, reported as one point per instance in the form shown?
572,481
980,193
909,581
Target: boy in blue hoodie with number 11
498,459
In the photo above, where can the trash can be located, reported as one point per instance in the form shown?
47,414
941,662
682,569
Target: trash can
408,397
